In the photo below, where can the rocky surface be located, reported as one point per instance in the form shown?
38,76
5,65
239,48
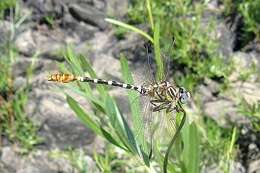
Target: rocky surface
37,162
81,23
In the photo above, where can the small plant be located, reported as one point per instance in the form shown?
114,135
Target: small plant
251,111
117,160
76,158
251,15
6,4
218,145
14,124
249,25
49,20
195,50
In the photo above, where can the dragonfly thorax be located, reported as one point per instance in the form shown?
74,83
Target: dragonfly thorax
165,91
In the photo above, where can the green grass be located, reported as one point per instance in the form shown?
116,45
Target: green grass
249,11
195,50
251,15
76,158
14,124
49,20
6,4
252,112
217,145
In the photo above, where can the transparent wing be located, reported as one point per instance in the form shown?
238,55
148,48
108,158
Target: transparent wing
166,128
144,130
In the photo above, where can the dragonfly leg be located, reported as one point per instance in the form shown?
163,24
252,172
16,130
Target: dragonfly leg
159,95
162,106
170,108
151,151
154,102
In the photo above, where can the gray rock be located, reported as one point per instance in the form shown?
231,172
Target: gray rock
88,14
212,85
205,93
249,91
132,47
243,62
117,8
254,167
9,156
36,162
25,43
31,43
4,169
45,8
20,67
237,167
107,66
80,2
60,127
224,110
225,38
212,5
100,4
83,30
5,27
211,169
19,82
222,33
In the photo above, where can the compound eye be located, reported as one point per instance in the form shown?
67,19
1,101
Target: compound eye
181,90
184,97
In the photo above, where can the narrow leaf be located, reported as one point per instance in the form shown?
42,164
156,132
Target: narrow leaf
83,116
158,59
134,105
130,27
148,6
191,148
85,119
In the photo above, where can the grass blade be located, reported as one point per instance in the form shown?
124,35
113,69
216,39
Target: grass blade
85,119
158,59
191,151
134,105
130,27
87,67
83,116
148,6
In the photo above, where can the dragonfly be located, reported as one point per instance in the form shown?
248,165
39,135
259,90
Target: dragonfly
163,96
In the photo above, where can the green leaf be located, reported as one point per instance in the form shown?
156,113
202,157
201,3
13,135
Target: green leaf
145,157
130,27
109,137
120,125
87,67
134,100
191,151
85,118
116,121
148,6
158,59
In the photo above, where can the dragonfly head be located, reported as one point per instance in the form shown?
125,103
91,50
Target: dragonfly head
184,95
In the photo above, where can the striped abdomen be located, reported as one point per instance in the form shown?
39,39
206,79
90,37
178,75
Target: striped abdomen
65,78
